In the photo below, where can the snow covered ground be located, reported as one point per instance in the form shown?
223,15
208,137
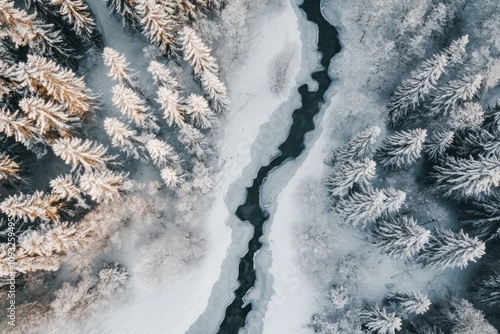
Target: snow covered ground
252,130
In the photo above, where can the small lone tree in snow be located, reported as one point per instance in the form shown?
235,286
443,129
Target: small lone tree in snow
350,173
200,112
380,321
455,91
103,185
437,145
400,237
132,106
124,138
161,153
468,178
82,154
171,104
447,249
359,147
196,52
117,65
215,90
402,148
280,66
410,301
368,206
32,206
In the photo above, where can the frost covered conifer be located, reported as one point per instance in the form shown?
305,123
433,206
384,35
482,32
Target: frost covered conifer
400,237
489,290
350,173
64,186
196,52
82,154
209,3
161,153
125,9
202,178
455,91
447,249
359,147
338,296
368,206
402,148
48,116
411,301
49,79
15,24
215,90
171,103
455,51
9,169
103,185
78,14
200,112
32,206
437,145
468,114
194,141
468,178
158,21
173,177
124,138
117,65
380,321
162,76
465,319
55,238
19,127
132,106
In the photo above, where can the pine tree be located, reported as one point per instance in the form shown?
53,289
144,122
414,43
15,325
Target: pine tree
400,237
56,238
402,148
468,114
456,50
132,106
215,90
209,3
484,216
48,116
103,185
197,53
172,177
200,112
468,178
358,148
410,301
380,321
54,82
15,24
492,119
489,290
158,21
124,138
368,206
350,173
194,141
447,249
19,127
7,84
161,153
455,91
202,178
171,104
78,14
82,154
465,319
117,65
125,9
9,169
438,144
162,76
64,187
31,207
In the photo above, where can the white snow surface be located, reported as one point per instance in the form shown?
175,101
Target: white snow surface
256,124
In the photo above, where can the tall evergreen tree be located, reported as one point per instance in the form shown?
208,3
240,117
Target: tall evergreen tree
201,114
158,21
437,145
9,168
162,76
380,321
216,91
410,301
358,148
103,185
82,154
19,127
455,91
78,14
402,148
174,110
489,290
350,173
125,138
32,206
161,153
197,53
132,106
